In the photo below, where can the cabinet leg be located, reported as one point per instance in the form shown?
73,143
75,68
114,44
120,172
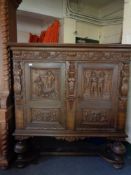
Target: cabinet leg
118,151
20,150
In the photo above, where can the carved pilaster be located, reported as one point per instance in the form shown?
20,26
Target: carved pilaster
124,79
123,94
71,84
18,80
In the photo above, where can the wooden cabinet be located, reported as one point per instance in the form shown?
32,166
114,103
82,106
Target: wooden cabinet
71,92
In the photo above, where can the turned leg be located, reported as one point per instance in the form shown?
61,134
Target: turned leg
20,150
118,150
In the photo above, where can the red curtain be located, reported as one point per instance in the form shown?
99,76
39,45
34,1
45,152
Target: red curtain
51,35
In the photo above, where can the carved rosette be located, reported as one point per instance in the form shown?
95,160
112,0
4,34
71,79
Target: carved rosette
71,84
18,80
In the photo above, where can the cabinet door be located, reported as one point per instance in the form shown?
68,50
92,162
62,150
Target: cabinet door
97,96
45,96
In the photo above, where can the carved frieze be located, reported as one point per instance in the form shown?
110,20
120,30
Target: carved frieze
97,83
45,83
18,80
74,54
94,116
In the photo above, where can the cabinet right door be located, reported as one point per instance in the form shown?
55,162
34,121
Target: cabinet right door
97,101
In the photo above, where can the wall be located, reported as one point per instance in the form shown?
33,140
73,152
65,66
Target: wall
111,34
69,27
84,8
26,25
112,9
126,39
46,7
87,30
30,22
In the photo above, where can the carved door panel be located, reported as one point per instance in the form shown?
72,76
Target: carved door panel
97,96
45,96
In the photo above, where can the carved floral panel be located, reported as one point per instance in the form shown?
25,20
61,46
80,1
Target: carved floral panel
45,115
45,83
94,116
47,118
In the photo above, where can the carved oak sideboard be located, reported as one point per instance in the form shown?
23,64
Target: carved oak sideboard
71,92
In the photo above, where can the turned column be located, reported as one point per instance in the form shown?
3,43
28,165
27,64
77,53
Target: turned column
7,34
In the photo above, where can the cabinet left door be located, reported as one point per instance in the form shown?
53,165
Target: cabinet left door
44,107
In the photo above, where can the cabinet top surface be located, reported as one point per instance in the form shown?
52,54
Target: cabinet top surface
88,46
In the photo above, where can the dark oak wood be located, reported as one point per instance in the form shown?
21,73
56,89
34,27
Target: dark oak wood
72,92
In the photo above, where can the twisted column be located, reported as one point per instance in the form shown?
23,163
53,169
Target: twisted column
5,36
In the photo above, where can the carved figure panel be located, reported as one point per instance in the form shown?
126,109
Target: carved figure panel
97,83
45,83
